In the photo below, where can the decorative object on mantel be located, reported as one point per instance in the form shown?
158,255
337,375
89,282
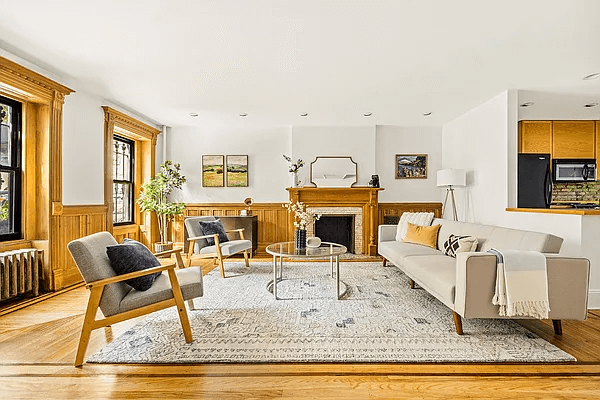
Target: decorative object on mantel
248,202
332,172
293,169
374,182
154,197
411,166
302,219
451,178
213,168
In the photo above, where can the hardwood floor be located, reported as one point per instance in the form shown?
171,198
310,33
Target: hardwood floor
38,343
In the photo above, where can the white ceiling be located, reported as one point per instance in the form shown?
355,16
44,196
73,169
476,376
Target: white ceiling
334,60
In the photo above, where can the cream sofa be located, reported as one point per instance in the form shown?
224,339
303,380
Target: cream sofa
466,283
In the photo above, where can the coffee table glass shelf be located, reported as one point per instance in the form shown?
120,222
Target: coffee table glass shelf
287,250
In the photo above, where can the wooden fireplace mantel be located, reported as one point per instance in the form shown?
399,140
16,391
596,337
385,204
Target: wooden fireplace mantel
364,197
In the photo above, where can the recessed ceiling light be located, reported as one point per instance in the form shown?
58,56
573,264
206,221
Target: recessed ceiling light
243,114
590,105
527,104
427,114
193,115
304,115
591,76
368,114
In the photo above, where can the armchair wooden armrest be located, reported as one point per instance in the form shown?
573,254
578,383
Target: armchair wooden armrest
124,277
240,231
203,237
166,253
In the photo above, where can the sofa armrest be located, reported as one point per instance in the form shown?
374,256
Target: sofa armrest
386,233
568,281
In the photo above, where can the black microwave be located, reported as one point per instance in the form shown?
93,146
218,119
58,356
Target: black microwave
566,170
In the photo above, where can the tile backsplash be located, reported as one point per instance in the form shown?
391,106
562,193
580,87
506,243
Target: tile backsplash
576,192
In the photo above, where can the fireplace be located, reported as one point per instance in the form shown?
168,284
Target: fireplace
353,225
336,229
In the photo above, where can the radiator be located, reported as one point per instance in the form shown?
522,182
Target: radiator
20,272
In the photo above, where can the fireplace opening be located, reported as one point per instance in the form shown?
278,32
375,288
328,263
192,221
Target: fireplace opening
336,229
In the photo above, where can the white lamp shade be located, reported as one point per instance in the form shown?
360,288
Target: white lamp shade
452,177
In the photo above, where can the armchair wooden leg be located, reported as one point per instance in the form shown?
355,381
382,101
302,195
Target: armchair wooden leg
183,317
457,323
557,324
246,258
88,323
222,267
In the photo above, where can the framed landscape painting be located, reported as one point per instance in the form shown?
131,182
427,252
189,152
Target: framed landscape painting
237,171
411,166
213,171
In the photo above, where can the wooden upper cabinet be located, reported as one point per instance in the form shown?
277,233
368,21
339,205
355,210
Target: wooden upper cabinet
535,137
573,139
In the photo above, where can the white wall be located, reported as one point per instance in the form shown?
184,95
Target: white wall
267,177
83,150
483,142
356,142
392,140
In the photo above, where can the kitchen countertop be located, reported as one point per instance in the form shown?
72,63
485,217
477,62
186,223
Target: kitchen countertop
572,211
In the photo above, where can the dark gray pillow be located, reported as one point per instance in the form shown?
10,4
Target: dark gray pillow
211,228
131,256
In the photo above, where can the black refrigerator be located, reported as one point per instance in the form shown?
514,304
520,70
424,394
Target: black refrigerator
534,181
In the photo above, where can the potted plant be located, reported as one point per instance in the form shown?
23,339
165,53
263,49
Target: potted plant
154,196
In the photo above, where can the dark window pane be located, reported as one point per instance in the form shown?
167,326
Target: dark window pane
123,180
6,209
5,135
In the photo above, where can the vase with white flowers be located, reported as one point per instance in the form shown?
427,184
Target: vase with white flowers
294,167
302,219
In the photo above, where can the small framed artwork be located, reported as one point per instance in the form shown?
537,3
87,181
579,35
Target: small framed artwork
237,171
411,166
213,171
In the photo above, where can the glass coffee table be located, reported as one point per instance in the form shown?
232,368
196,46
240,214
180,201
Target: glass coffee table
287,250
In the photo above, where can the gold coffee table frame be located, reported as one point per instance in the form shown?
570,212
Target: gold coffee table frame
283,250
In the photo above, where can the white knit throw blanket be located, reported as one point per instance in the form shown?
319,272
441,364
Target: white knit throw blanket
521,284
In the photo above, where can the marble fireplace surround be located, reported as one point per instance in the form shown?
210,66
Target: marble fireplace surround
360,202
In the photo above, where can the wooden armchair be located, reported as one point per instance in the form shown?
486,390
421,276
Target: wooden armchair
199,247
119,301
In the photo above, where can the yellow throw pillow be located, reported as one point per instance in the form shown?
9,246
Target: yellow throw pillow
425,235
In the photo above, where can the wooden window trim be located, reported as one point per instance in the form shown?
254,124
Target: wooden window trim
144,136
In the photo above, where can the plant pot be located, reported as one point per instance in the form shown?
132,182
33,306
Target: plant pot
300,239
158,247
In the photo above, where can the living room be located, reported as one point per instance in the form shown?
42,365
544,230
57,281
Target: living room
303,79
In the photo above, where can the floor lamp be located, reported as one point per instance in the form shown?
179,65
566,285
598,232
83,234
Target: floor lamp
451,178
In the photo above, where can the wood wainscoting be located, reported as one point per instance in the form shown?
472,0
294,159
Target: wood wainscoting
73,222
273,219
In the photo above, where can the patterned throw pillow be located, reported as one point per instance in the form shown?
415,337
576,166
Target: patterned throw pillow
133,256
459,244
211,228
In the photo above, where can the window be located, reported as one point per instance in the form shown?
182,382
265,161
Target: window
123,185
10,169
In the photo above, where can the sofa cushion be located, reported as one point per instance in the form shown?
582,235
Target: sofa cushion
489,236
434,273
425,235
396,251
418,218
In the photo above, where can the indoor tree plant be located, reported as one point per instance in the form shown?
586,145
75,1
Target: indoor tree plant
154,196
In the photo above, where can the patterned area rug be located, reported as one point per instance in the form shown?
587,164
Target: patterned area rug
379,319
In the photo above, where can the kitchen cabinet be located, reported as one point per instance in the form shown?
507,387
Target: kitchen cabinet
535,137
573,139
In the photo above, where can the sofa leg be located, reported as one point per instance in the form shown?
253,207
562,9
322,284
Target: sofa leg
457,323
384,262
557,326
411,283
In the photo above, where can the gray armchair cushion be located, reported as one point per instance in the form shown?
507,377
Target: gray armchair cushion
132,256
212,228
